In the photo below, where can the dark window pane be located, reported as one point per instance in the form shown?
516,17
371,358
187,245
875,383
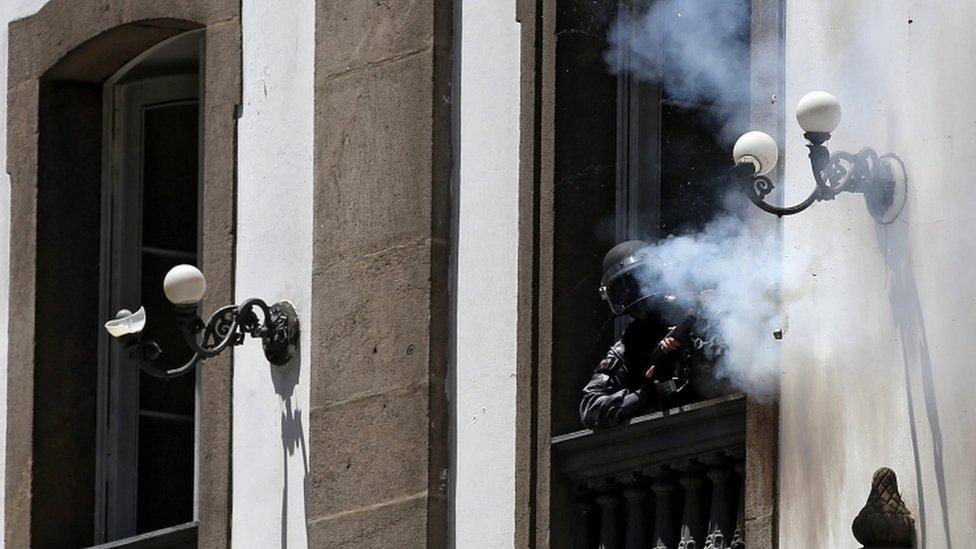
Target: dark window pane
167,407
169,194
165,473
585,169
694,161
698,126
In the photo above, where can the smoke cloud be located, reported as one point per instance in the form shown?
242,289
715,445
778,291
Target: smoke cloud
697,49
743,270
699,52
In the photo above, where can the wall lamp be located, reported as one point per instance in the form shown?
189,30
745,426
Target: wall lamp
881,179
184,286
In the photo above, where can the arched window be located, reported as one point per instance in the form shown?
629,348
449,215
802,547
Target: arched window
111,158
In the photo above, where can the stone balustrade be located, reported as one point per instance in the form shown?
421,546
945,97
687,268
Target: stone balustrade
665,481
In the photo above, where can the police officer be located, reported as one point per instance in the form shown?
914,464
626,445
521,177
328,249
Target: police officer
626,383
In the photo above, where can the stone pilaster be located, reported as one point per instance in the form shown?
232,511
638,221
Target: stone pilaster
378,420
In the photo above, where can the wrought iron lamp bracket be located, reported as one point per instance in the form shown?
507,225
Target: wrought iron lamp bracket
881,179
276,325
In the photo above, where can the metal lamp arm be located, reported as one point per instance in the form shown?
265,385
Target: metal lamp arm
249,320
756,187
833,174
220,331
277,327
145,354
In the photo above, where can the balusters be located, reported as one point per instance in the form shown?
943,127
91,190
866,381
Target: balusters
663,489
584,513
692,525
698,503
719,521
611,535
739,538
637,523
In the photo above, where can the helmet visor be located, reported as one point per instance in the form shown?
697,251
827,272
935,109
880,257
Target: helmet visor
628,287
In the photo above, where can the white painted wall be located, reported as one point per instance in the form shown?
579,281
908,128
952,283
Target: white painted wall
878,356
10,10
274,262
487,245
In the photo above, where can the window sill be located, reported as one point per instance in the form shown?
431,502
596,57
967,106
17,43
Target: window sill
183,536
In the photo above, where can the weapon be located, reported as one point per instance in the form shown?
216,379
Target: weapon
682,375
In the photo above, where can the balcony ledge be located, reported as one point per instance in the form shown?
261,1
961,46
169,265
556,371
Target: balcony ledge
652,440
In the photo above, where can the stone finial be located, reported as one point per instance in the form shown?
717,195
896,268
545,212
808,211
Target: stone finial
885,520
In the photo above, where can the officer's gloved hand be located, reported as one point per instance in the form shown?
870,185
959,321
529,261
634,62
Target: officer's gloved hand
666,345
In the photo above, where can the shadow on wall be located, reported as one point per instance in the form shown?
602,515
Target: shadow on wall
285,379
906,309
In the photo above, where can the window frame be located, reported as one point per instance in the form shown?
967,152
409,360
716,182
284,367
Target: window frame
536,384
122,203
637,182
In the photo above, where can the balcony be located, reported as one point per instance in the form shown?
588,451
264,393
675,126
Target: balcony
668,480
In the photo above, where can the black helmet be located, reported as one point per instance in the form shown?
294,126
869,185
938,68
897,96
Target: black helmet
629,272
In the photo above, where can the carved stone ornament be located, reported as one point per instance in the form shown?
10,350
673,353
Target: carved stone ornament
885,520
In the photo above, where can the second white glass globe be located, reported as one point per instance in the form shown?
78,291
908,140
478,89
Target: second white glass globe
818,112
184,285
756,147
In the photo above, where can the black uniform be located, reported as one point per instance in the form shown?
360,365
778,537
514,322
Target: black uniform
618,389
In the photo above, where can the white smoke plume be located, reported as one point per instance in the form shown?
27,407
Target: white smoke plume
742,267
695,48
699,51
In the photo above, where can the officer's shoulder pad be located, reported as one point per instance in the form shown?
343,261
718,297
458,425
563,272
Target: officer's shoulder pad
609,364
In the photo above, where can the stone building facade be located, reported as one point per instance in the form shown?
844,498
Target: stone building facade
432,184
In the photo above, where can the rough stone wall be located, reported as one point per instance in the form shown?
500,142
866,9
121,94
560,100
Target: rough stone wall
378,418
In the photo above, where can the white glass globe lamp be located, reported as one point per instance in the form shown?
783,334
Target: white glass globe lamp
818,112
184,285
758,148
